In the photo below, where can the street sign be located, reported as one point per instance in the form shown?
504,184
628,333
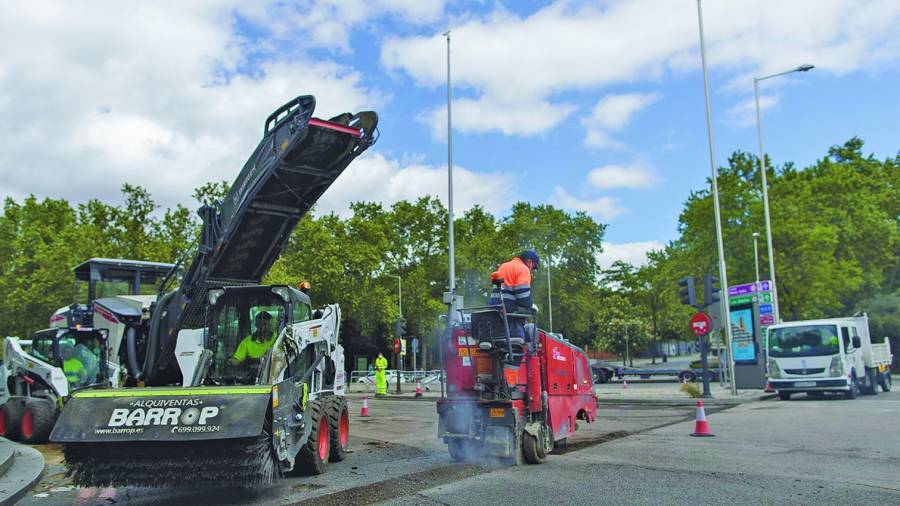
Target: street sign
700,324
415,344
765,286
403,347
396,345
740,299
765,297
744,289
766,309
767,319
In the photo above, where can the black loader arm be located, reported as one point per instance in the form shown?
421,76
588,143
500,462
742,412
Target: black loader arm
298,158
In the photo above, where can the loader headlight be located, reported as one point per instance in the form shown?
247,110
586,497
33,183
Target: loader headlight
837,367
214,294
774,370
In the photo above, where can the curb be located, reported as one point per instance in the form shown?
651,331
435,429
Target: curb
26,471
720,401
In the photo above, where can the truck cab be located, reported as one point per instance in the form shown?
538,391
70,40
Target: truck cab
829,355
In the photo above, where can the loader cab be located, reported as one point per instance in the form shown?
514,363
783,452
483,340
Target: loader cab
245,324
80,352
108,277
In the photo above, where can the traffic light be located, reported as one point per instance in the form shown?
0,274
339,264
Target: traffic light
400,327
686,292
711,289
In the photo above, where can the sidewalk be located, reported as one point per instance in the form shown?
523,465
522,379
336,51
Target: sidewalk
640,392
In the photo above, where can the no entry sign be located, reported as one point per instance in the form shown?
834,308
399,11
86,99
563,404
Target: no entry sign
700,324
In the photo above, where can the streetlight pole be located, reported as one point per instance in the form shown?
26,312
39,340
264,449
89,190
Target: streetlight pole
715,188
450,170
765,187
756,257
399,361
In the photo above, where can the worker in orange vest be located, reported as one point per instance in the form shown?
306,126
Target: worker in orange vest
515,291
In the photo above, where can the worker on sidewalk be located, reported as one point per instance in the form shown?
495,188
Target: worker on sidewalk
515,291
381,364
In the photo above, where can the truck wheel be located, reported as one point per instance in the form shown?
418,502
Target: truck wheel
313,457
871,382
532,449
885,381
785,396
10,420
339,427
854,388
461,450
38,418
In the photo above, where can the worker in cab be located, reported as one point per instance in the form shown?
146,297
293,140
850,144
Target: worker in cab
254,346
514,292
381,364
73,368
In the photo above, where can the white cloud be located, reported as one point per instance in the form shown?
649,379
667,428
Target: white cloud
520,61
376,178
605,208
98,94
486,114
328,23
635,253
622,176
743,113
613,113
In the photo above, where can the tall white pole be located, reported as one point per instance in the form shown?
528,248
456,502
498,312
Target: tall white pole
756,258
715,188
765,189
450,169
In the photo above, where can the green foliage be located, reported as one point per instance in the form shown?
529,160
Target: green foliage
692,391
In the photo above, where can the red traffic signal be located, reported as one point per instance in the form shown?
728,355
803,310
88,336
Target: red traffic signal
396,345
700,324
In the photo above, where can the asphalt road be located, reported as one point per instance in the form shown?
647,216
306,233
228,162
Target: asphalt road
394,452
804,451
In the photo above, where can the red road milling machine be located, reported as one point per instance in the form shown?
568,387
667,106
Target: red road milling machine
511,398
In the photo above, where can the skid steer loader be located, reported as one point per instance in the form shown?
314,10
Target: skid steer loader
41,373
242,383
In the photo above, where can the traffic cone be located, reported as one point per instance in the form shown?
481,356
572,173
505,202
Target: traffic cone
701,429
625,383
418,388
365,407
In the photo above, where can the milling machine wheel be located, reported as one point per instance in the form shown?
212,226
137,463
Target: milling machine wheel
533,449
38,418
462,450
10,420
313,457
339,427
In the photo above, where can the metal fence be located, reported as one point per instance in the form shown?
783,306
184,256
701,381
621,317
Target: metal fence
367,378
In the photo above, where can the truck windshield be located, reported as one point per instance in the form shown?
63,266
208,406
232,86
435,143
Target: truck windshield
805,341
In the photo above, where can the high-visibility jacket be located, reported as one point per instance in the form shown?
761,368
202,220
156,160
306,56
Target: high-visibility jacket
250,348
516,288
381,364
74,370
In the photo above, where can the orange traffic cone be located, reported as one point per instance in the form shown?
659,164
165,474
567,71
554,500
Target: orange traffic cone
701,429
365,407
625,383
418,388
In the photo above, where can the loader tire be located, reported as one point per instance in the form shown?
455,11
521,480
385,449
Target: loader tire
339,427
10,420
38,418
313,457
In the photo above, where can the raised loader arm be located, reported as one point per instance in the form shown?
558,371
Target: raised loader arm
298,158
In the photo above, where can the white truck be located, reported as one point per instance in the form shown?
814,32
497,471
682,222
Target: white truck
830,355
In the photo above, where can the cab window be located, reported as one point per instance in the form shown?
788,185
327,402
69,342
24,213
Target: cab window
845,337
42,347
301,312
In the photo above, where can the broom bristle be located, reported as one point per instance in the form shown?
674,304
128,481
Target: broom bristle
245,462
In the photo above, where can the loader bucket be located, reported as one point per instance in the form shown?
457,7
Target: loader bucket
168,437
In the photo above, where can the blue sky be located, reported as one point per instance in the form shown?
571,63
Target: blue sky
593,106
